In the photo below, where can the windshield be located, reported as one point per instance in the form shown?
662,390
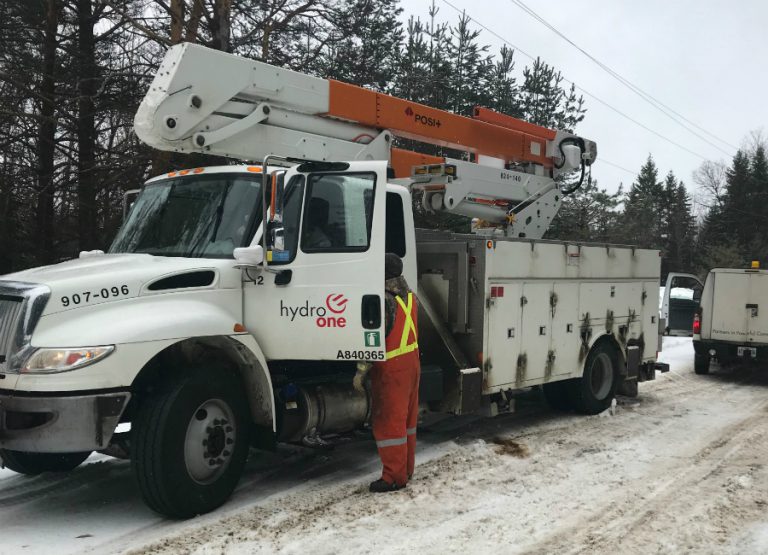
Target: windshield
197,216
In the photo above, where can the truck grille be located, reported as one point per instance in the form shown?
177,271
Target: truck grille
11,309
21,306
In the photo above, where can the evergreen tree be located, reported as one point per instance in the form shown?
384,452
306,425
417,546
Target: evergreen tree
368,55
680,230
644,209
736,205
502,93
471,65
589,214
544,102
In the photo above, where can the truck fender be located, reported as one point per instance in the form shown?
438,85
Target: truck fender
611,339
240,352
258,382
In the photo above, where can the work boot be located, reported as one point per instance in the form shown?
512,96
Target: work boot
382,486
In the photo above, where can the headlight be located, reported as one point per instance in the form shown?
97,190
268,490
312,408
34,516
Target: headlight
50,361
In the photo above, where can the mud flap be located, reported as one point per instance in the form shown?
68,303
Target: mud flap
631,371
470,390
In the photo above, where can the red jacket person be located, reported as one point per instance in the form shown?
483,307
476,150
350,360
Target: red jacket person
395,383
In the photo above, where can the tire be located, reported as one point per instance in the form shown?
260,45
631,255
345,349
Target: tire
556,395
701,364
594,391
173,432
37,463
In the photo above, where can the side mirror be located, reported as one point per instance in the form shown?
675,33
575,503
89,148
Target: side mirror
249,256
277,238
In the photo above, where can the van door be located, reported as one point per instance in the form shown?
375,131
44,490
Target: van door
729,315
680,302
322,297
757,308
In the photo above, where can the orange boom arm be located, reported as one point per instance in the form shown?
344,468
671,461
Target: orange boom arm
492,134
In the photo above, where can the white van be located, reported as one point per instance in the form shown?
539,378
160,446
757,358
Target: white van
731,323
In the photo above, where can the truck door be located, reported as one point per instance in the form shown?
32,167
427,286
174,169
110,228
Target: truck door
321,296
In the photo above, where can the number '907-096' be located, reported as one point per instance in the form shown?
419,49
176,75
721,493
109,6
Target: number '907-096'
90,296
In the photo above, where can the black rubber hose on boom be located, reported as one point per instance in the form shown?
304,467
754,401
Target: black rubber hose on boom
578,141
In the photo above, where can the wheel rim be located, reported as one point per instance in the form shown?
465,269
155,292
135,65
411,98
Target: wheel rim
210,441
601,377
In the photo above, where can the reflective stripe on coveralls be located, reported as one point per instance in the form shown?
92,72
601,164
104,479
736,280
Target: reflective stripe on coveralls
395,389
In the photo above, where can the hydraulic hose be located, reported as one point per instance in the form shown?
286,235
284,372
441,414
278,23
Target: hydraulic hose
578,141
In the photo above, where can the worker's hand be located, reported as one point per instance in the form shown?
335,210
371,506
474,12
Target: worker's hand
359,379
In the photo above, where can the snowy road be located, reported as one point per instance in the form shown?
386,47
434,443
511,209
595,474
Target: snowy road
680,469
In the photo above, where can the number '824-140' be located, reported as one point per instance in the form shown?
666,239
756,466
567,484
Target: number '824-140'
104,293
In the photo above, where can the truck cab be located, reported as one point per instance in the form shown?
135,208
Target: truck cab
731,322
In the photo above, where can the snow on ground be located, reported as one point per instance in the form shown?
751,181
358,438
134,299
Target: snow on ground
682,468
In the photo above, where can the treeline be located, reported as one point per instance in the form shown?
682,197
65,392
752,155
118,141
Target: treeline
730,229
72,73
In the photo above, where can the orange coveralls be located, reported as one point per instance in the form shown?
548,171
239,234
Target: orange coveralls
395,390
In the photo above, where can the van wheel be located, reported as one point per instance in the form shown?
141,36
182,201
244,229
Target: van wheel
36,463
190,442
593,393
556,394
701,364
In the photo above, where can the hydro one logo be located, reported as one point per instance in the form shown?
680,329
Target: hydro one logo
328,316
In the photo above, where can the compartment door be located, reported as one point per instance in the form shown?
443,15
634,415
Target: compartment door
565,340
504,334
536,313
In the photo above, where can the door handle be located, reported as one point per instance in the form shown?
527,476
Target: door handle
371,312
753,308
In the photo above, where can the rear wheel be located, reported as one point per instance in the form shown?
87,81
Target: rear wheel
593,393
37,463
190,443
701,363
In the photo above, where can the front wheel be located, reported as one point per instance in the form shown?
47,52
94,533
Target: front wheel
190,443
596,389
37,463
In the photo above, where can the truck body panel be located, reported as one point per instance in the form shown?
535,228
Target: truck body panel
527,312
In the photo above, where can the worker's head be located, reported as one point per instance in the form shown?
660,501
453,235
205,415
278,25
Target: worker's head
317,213
393,266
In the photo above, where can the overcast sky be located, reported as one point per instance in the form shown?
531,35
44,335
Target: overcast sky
706,59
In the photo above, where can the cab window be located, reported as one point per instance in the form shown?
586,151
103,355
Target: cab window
338,212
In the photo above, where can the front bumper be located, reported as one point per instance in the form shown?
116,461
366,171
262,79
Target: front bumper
59,423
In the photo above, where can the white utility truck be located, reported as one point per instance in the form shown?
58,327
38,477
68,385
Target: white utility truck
235,301
731,323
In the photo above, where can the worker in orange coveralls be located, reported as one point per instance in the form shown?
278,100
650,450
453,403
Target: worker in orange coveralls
395,383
